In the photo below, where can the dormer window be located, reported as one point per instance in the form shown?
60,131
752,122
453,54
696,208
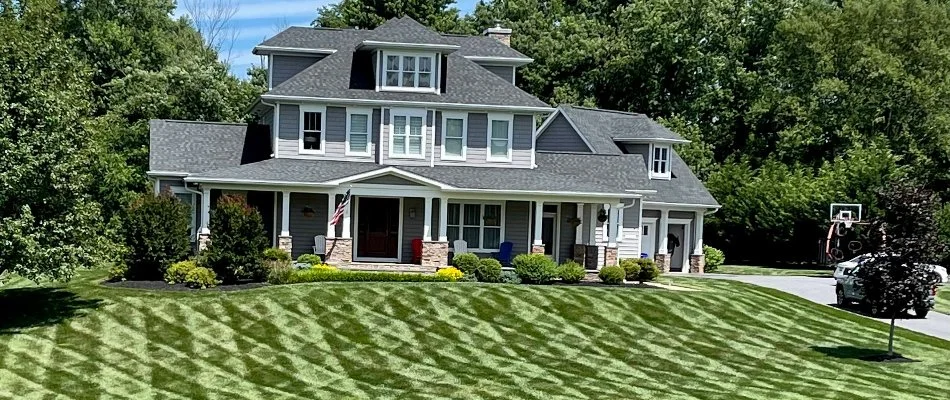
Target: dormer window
409,71
660,162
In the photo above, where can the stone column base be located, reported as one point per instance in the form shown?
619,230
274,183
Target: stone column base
580,253
285,243
663,262
339,250
204,240
697,263
537,249
610,256
435,254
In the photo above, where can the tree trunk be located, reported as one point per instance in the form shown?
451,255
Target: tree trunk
890,339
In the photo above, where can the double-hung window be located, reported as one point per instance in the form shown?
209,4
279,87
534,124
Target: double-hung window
454,136
312,122
409,71
479,225
499,136
660,162
358,131
188,198
407,136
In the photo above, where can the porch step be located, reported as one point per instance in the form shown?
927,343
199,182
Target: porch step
386,267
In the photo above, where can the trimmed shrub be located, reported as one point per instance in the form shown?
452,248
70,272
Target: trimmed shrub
468,277
510,277
156,234
201,278
311,259
275,254
648,272
237,241
489,270
612,274
571,272
714,258
118,272
326,267
451,272
178,271
327,275
279,272
632,267
535,268
466,262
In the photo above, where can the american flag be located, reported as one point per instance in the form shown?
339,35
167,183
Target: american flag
338,214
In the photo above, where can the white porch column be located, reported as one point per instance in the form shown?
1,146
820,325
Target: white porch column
205,210
538,218
285,213
698,249
427,222
579,230
619,222
612,228
346,219
604,237
663,230
443,219
331,208
592,226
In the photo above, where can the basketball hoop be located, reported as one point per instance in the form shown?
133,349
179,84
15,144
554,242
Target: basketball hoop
847,223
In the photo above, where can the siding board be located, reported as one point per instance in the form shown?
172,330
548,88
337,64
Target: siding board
302,228
285,67
559,135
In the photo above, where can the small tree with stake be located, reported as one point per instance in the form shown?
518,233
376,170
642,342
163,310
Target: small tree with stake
905,236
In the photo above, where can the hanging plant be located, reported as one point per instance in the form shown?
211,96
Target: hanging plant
602,216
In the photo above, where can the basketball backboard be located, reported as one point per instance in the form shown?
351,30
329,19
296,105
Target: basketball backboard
845,212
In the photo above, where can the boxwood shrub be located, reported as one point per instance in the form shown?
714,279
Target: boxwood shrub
311,259
535,268
466,262
648,272
178,271
201,278
612,274
571,272
632,267
714,258
488,270
275,254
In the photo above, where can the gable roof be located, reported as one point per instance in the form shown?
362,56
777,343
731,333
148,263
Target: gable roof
405,30
683,188
185,147
601,129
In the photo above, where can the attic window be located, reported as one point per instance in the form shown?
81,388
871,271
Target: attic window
409,71
660,162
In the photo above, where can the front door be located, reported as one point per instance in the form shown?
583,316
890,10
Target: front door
378,228
648,240
549,230
675,246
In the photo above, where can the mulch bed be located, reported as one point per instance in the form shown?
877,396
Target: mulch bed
180,287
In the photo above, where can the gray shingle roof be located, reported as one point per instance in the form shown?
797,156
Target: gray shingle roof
602,127
683,188
191,147
291,170
315,38
405,30
482,46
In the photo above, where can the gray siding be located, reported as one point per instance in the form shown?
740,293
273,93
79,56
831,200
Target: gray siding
411,227
517,225
302,228
559,135
286,67
567,231
682,215
288,133
505,72
642,149
428,131
477,142
334,132
651,214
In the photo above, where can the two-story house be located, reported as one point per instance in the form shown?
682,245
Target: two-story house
433,141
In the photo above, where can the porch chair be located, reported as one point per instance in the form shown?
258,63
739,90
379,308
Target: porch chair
504,253
460,246
416,251
320,245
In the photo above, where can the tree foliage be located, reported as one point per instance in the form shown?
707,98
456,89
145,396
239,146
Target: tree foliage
368,14
155,230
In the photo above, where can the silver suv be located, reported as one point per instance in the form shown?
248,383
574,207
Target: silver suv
848,290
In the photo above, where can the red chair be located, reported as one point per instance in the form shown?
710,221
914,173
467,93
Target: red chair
417,251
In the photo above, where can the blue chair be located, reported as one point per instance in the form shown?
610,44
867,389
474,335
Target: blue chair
504,253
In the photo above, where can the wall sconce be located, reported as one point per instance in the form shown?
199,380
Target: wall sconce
412,213
308,212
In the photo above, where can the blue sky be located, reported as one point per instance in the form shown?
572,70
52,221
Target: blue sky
257,20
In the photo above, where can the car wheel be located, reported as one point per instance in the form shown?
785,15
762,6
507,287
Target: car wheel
839,297
921,312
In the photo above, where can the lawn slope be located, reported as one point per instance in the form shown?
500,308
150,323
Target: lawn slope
383,340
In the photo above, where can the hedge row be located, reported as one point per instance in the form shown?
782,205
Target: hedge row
328,275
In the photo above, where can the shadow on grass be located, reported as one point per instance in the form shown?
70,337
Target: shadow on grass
31,307
860,353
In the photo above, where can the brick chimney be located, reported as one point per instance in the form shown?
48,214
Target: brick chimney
498,33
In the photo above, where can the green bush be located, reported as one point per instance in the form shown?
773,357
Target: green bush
714,258
466,262
510,277
648,272
633,266
488,270
311,259
329,275
178,271
155,231
279,272
571,272
201,278
275,254
612,274
237,241
118,272
535,268
451,272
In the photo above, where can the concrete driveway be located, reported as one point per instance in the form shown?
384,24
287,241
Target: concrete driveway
822,291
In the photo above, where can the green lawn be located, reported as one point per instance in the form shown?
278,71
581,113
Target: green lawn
385,340
943,299
755,270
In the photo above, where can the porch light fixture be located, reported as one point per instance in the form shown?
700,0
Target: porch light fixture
308,212
602,215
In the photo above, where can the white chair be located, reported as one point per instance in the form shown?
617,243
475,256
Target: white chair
460,246
320,244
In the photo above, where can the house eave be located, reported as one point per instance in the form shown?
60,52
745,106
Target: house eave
422,104
651,140
512,61
267,50
376,44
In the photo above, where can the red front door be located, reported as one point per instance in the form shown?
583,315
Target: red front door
378,228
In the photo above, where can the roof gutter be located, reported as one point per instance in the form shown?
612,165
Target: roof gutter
172,174
397,103
513,61
690,205
376,44
651,140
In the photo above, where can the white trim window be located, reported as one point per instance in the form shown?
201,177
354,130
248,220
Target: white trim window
189,199
407,138
358,131
313,120
480,225
500,130
409,71
660,161
454,136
